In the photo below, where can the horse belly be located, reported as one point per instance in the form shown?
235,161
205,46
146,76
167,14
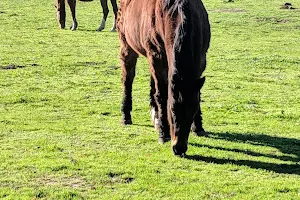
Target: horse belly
137,24
133,41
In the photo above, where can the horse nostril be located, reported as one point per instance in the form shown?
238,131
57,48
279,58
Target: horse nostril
179,150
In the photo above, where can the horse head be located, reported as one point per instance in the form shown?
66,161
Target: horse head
185,107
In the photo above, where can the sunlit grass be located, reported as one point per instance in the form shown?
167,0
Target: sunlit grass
60,94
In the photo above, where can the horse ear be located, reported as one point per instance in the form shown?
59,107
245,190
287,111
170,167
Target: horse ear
200,83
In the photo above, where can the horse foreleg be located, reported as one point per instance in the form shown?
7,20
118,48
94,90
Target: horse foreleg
128,60
72,5
105,14
61,13
159,72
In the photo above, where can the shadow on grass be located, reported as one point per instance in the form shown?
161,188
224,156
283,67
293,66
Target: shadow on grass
144,125
288,146
94,30
87,30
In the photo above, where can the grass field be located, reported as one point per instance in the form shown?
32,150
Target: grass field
60,94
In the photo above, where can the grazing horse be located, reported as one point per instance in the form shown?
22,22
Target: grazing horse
105,14
61,13
174,35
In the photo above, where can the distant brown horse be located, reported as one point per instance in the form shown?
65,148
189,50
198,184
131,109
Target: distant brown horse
61,13
174,35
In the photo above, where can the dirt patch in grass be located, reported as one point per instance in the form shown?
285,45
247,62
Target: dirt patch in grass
279,21
75,182
119,178
272,20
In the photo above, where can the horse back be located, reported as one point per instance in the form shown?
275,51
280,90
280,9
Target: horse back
179,28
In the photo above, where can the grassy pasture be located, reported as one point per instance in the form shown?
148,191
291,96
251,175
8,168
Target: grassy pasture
60,94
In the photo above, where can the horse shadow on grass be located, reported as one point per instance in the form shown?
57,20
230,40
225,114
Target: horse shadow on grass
290,147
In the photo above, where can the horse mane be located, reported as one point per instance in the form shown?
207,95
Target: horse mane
176,9
173,5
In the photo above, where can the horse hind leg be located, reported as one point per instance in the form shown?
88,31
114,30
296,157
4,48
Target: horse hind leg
105,14
153,105
61,13
128,60
72,5
115,9
197,126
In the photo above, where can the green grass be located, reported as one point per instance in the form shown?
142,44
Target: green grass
60,94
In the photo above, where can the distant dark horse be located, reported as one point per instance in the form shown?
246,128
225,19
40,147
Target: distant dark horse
105,14
174,35
61,13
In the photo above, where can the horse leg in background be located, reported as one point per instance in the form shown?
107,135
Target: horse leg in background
197,127
159,73
115,9
72,5
128,59
105,14
153,105
61,13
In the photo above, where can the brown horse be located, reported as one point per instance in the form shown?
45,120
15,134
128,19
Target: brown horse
105,14
174,35
61,13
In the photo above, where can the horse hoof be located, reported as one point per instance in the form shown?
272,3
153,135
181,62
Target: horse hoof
100,29
61,26
102,25
74,26
113,30
201,133
126,122
181,155
162,140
